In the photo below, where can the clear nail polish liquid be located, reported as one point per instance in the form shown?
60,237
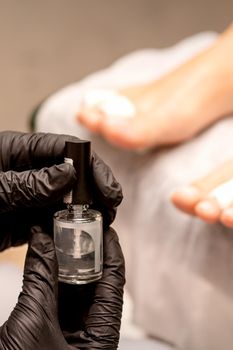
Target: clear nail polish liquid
78,242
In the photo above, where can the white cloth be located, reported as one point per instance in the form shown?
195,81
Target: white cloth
11,280
179,268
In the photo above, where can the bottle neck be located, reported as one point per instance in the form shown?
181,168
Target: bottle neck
77,208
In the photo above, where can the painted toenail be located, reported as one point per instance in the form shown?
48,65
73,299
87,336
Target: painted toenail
207,207
228,213
223,194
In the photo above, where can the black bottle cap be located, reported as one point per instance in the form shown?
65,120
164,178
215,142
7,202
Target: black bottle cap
80,153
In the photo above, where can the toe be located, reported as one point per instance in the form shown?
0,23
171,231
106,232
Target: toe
208,196
208,210
129,133
226,217
122,134
91,118
186,198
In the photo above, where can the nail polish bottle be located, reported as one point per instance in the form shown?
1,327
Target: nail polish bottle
78,230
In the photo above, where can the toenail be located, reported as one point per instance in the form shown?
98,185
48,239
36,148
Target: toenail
223,194
228,213
207,207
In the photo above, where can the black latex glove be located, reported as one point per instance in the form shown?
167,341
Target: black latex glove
89,316
33,180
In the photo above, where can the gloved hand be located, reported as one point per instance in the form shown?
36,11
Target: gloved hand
88,317
33,180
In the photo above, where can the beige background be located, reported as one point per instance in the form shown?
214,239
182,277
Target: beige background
46,44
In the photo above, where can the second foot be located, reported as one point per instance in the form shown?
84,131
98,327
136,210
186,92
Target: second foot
209,198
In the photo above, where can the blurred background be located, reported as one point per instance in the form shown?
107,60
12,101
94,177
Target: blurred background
48,44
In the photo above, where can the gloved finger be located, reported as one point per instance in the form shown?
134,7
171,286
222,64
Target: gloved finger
15,228
101,323
35,188
33,322
16,225
41,271
104,318
31,150
108,192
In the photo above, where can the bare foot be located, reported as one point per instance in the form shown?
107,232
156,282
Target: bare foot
210,198
174,108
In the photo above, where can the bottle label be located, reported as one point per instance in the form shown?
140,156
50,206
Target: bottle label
67,199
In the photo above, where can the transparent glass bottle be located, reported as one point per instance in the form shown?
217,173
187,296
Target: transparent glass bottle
78,242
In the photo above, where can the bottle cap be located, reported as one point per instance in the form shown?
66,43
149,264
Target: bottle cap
78,153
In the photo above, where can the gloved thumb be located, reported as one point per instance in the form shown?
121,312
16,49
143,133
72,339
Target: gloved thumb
41,271
35,188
